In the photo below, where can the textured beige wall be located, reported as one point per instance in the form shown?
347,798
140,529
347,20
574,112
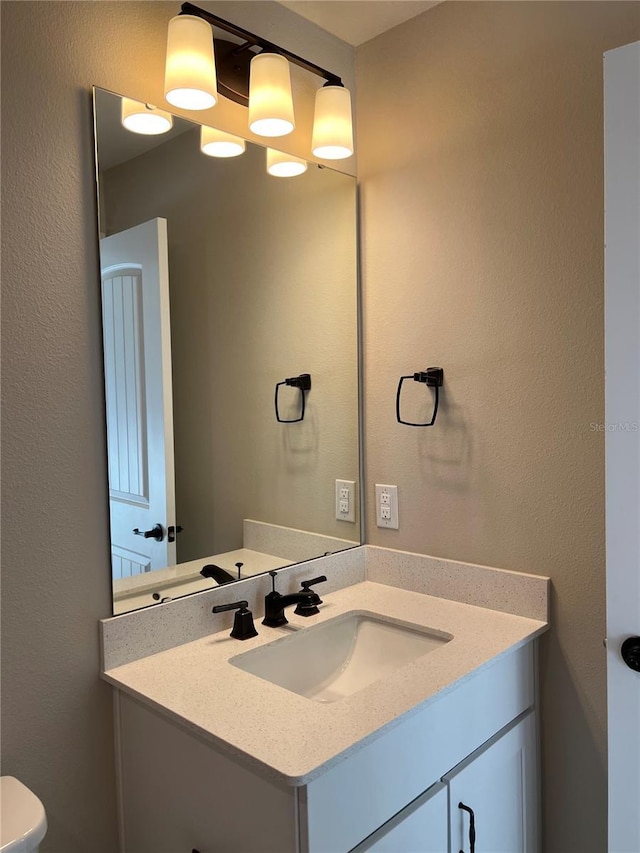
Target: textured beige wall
56,715
262,278
483,252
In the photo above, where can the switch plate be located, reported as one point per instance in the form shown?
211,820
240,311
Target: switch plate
387,506
346,500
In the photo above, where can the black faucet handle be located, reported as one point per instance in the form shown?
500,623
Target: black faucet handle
306,584
236,605
310,606
243,627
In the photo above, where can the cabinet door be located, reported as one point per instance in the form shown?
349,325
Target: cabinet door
498,783
419,828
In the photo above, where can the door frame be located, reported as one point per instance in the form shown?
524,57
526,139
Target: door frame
622,435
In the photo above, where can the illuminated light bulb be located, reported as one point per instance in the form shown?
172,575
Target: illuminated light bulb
270,99
283,165
217,143
144,118
190,70
332,137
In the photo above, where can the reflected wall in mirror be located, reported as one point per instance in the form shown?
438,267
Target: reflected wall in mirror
218,282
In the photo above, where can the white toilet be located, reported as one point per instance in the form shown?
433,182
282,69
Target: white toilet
23,822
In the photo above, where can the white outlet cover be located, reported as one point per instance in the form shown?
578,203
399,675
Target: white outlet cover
345,500
387,506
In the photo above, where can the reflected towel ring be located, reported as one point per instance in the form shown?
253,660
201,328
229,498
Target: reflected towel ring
432,377
303,382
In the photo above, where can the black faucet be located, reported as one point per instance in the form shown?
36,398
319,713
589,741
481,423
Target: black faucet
217,573
275,603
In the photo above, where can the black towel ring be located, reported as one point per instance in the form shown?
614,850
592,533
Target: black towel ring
303,382
432,377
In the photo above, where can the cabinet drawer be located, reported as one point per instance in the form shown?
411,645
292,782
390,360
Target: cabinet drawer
354,798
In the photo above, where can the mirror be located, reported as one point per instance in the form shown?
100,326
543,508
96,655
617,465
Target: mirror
223,287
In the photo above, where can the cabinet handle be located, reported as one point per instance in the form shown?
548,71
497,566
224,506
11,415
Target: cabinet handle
472,827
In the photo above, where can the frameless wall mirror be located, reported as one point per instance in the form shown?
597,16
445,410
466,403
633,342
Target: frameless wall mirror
222,286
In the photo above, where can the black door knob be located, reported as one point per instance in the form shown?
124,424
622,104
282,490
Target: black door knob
630,652
156,532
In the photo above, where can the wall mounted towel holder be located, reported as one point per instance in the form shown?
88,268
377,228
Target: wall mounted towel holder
303,383
432,377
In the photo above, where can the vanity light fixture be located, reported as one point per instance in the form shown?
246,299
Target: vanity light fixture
270,98
282,165
217,143
332,129
190,69
144,118
253,72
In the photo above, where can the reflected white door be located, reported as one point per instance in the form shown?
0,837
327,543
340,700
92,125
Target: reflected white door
622,416
137,355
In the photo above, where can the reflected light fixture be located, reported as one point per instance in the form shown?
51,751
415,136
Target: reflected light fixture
190,70
253,72
270,99
217,143
144,118
283,165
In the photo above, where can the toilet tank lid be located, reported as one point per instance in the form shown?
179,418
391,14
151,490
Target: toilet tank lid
23,824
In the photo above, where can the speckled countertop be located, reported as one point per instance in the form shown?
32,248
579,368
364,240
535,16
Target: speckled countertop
295,739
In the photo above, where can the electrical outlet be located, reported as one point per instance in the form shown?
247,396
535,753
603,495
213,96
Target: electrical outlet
387,506
346,500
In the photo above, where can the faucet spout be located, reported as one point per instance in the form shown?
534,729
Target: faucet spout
217,574
307,601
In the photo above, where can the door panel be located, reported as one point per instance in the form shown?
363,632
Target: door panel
124,385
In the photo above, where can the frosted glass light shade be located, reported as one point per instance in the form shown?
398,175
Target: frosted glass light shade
143,118
283,165
217,143
332,128
190,70
270,100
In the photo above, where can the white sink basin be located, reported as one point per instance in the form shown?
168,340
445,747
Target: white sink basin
336,659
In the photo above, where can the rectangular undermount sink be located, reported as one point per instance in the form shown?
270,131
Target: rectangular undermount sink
338,658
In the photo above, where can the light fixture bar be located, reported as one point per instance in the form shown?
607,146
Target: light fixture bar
258,41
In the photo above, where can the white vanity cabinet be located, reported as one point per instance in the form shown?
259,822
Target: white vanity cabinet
398,792
498,786
499,783
421,826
